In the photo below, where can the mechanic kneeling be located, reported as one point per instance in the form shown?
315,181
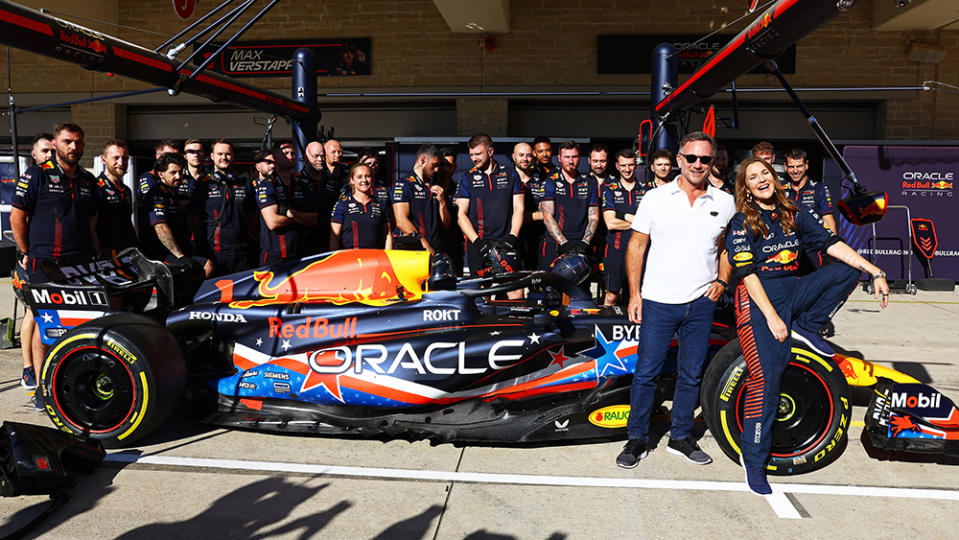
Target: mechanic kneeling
763,242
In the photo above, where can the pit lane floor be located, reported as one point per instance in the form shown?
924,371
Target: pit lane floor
191,480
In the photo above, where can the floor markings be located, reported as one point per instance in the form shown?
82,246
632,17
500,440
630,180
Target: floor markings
778,501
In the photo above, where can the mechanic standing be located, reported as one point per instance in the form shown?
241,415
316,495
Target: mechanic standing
288,208
532,230
420,207
813,195
164,234
490,203
620,200
570,207
359,219
222,214
765,239
53,220
114,219
682,225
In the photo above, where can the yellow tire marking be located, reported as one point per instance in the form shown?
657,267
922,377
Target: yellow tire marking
62,344
729,436
138,415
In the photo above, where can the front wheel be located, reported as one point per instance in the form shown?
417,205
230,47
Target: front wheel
812,423
113,379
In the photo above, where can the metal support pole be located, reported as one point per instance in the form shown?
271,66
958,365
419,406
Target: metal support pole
230,41
14,142
665,76
816,128
198,22
304,91
230,17
90,100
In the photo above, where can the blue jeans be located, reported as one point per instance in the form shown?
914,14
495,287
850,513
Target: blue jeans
661,322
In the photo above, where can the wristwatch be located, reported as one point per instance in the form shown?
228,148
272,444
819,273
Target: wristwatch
881,274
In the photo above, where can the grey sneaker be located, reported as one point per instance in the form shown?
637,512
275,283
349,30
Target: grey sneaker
634,451
690,450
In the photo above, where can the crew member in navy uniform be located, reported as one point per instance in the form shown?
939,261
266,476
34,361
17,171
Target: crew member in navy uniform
149,178
763,243
717,172
421,209
114,219
53,219
532,231
813,195
620,200
222,214
195,171
288,208
451,239
359,219
313,171
570,207
543,152
164,233
489,200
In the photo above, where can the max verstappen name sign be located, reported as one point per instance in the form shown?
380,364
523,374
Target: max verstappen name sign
923,178
334,57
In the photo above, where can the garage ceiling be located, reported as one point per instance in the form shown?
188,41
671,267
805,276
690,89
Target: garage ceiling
918,15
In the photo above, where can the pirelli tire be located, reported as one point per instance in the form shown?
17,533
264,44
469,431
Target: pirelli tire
812,423
113,379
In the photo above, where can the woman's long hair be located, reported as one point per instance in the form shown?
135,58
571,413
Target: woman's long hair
746,205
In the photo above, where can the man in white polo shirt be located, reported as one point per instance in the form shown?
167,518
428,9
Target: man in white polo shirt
682,225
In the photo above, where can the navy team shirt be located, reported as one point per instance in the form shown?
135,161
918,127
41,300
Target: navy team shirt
622,201
60,208
160,206
303,196
114,215
424,208
223,202
571,203
813,195
777,253
363,224
491,199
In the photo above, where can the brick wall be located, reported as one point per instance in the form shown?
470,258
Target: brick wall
552,45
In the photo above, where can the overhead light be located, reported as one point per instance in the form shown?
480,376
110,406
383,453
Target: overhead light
475,27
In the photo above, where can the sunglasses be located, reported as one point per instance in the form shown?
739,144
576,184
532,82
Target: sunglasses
691,158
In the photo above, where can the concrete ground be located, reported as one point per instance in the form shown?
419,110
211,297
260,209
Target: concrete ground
191,480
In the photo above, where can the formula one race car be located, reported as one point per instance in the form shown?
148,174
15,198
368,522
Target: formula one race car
367,343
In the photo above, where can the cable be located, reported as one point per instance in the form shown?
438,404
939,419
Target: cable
931,85
67,16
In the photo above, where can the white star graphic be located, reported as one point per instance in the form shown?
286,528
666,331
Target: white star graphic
534,338
286,344
496,333
47,318
259,342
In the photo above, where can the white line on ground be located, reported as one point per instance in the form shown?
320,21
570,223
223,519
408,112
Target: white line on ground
778,501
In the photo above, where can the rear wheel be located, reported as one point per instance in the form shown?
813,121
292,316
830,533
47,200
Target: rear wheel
812,421
113,379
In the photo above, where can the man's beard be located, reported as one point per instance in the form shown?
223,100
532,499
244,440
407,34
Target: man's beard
61,156
116,172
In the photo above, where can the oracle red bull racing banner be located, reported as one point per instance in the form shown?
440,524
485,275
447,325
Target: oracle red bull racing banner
334,57
922,179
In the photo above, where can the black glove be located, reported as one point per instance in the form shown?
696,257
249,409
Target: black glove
483,245
581,248
566,247
409,242
510,242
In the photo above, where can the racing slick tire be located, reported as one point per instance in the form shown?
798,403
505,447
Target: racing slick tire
812,424
113,379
